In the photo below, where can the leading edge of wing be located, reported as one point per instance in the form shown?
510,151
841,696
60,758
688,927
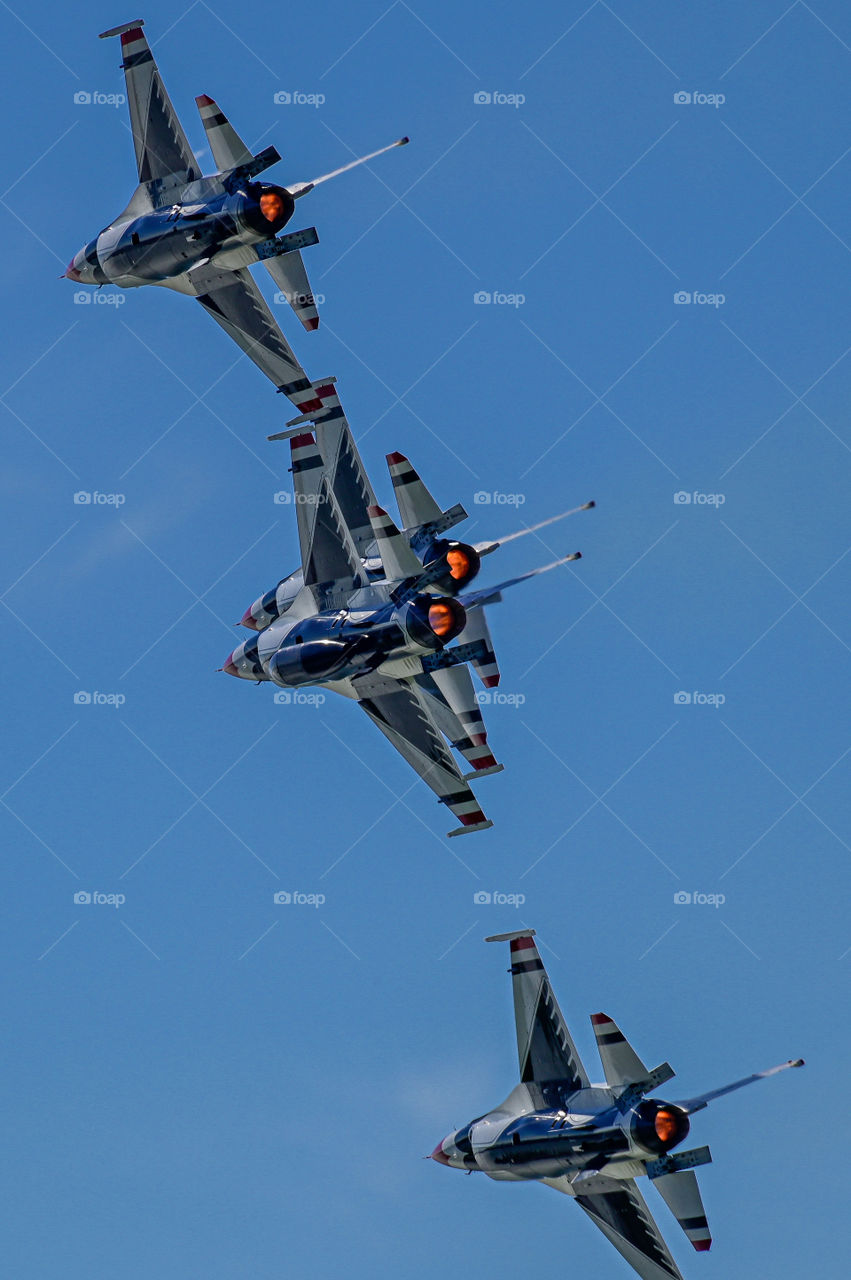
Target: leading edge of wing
621,1213
399,710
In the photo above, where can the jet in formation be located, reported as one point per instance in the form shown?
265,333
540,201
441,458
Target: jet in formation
374,608
200,235
587,1140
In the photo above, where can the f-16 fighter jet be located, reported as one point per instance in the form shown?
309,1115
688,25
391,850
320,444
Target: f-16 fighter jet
199,235
374,608
591,1141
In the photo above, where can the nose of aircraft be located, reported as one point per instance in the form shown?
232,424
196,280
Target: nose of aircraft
247,620
228,665
71,272
439,1154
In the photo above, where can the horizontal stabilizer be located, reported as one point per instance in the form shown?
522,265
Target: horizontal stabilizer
250,169
621,1064
678,1160
225,143
682,1196
639,1088
288,272
287,243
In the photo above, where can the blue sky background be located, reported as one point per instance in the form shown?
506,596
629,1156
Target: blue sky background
201,1083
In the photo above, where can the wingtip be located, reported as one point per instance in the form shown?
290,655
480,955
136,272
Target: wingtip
702,1246
311,324
204,100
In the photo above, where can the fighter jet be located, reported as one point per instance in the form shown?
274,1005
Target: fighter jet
199,235
591,1141
374,608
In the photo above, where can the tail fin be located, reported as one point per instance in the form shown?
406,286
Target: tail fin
396,555
225,143
621,1064
416,505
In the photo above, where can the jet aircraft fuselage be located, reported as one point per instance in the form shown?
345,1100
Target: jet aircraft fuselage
583,1133
209,226
343,643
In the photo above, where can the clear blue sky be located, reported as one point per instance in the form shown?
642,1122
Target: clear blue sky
200,1083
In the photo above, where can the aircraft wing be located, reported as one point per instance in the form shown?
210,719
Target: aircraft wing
162,148
234,301
347,476
329,557
622,1215
544,1044
400,711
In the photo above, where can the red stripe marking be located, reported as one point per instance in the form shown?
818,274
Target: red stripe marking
302,442
393,459
204,101
309,406
701,1245
597,1018
469,818
128,37
484,762
325,392
311,323
490,682
521,944
375,511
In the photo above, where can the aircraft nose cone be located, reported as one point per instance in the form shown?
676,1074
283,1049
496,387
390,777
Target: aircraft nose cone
439,1155
71,272
228,666
247,621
